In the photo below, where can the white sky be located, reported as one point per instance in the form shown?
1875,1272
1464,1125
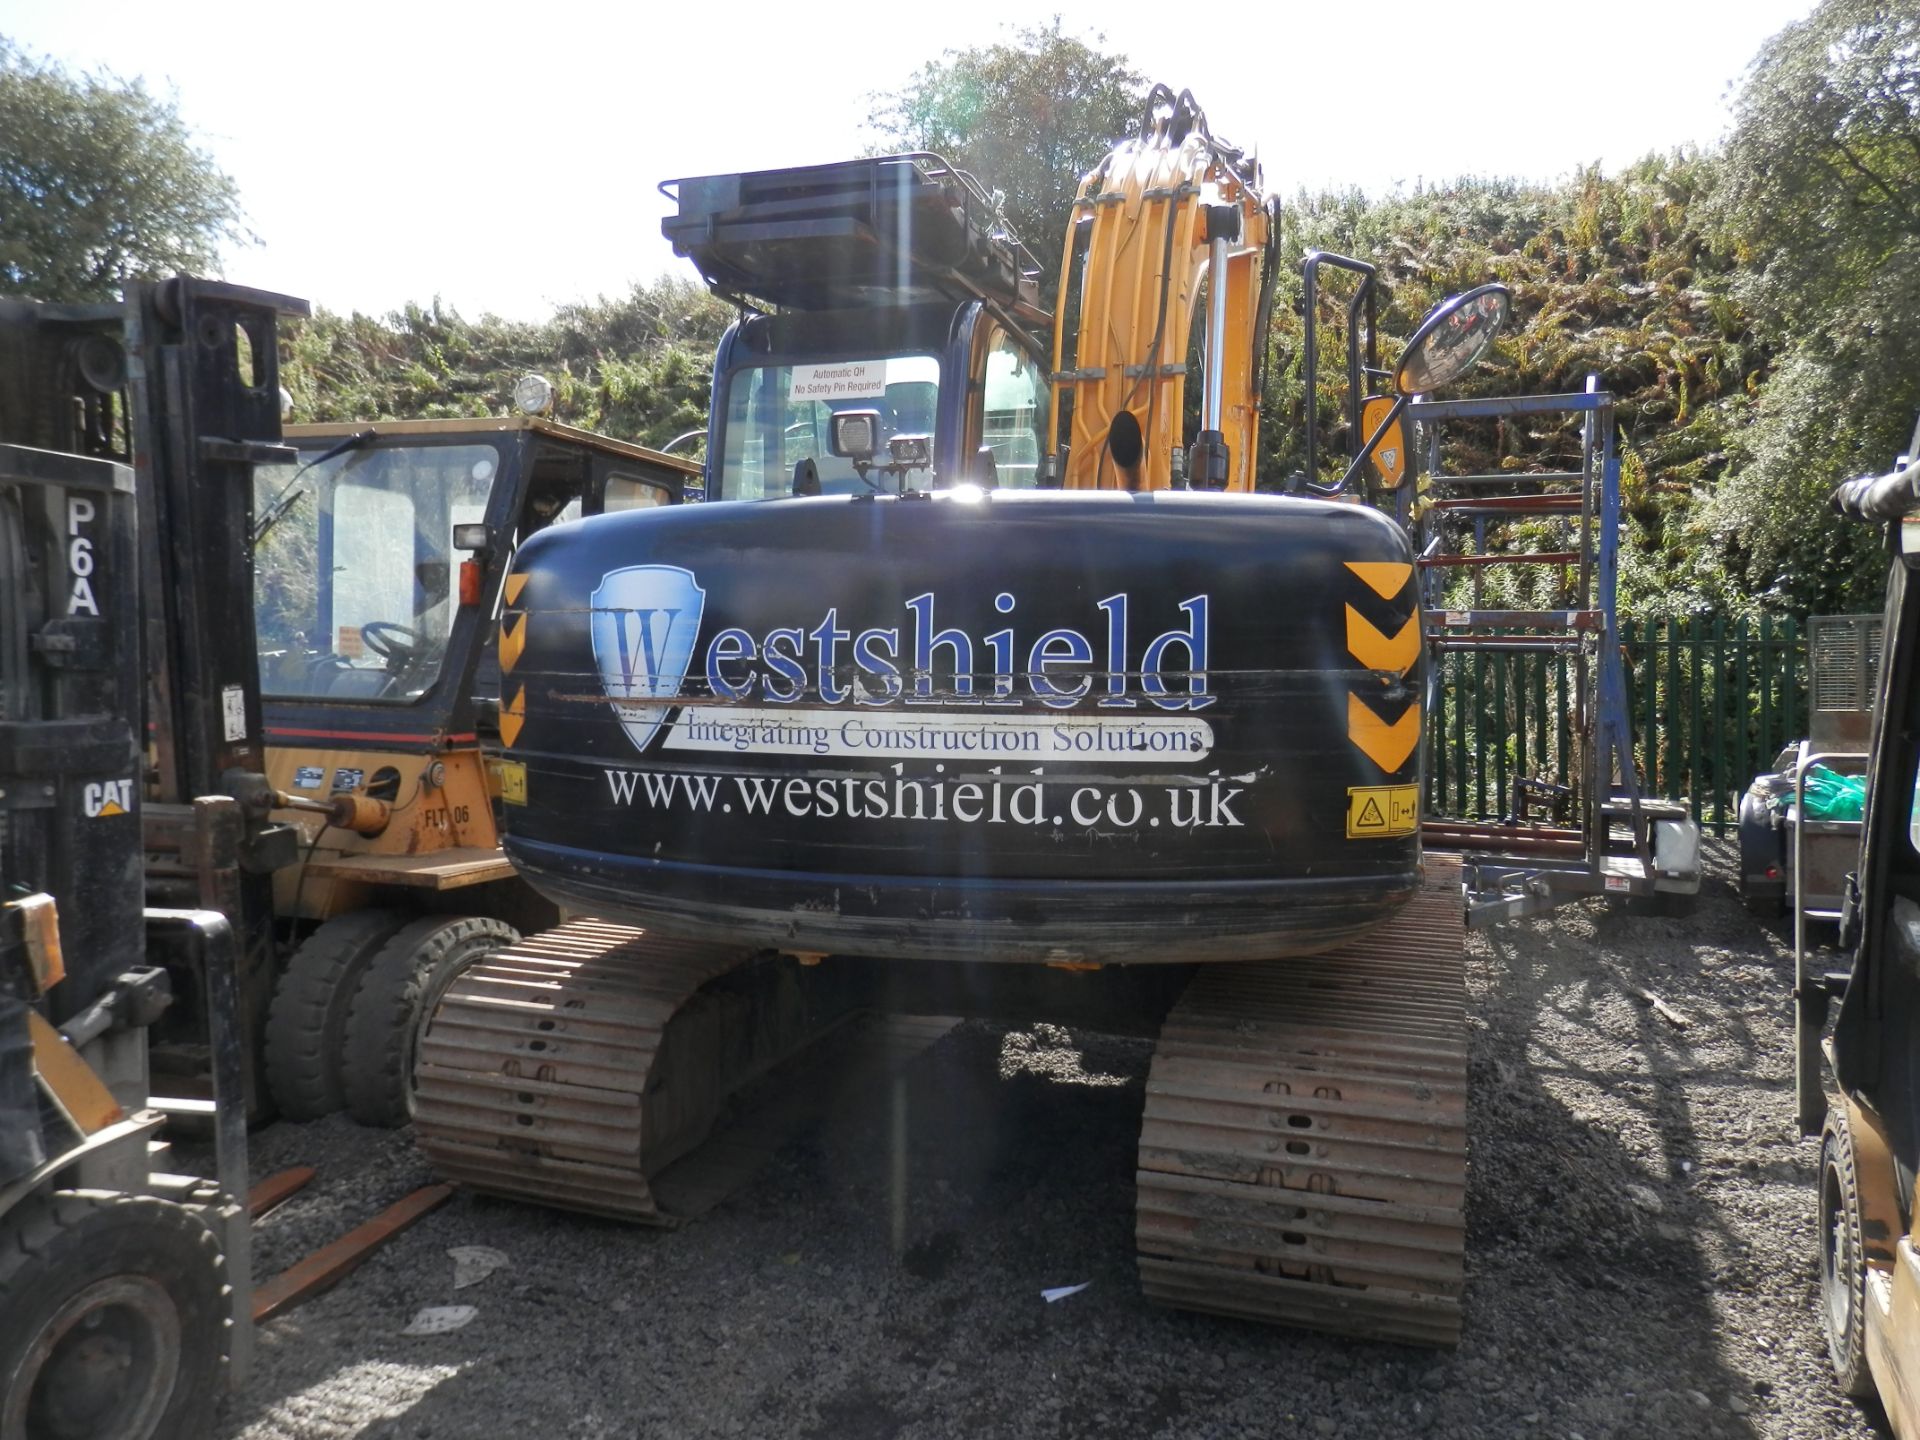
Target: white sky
505,157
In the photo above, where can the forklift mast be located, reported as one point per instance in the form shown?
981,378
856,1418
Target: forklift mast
206,409
204,377
69,692
180,382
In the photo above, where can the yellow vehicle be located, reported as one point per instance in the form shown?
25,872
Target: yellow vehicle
1870,1139
379,556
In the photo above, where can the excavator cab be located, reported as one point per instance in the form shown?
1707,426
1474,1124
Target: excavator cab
887,367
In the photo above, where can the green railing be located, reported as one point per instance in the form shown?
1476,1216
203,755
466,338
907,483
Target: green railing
1711,700
1721,701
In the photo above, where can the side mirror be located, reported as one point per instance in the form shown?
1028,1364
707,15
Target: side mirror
1451,340
854,434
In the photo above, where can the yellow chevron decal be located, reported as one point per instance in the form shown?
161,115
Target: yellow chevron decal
1372,648
1388,746
513,640
515,584
513,716
1386,578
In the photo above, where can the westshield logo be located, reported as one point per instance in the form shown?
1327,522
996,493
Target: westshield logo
645,620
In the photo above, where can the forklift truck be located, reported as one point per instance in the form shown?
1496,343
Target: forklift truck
128,854
1870,1130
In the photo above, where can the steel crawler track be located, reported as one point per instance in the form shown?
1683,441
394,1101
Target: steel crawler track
535,1064
1303,1155
547,1073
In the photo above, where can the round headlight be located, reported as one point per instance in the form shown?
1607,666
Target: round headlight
533,394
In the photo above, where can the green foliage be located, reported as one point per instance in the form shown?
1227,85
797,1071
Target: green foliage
1753,309
1617,277
1821,202
1029,116
635,367
100,183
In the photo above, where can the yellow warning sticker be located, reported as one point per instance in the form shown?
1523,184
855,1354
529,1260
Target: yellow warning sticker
513,781
1390,455
1375,812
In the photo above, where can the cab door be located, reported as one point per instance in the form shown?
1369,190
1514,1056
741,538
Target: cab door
1007,405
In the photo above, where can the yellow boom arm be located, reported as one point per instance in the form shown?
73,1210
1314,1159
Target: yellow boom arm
1141,230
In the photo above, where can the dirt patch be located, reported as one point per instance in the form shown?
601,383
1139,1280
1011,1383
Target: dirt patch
1641,1255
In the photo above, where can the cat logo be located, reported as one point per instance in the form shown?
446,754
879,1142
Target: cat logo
107,797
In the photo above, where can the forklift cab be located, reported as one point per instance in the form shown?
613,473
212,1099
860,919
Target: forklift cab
380,554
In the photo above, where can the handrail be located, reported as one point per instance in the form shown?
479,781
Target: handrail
1809,1096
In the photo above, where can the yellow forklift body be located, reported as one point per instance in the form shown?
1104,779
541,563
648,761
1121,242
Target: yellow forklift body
437,837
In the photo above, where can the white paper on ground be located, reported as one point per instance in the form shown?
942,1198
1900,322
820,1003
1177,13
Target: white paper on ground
438,1319
473,1263
1060,1292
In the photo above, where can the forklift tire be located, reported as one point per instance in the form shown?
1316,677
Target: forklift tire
402,984
1843,1261
113,1319
306,1027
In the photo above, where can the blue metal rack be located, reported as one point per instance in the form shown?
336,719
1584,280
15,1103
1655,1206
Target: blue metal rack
1617,841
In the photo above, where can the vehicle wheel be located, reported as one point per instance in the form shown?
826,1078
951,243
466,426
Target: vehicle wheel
113,1319
402,984
307,1018
1843,1261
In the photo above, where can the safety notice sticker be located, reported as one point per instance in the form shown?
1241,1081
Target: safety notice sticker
1376,812
513,781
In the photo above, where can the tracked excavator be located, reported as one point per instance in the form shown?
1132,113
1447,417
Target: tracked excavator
974,689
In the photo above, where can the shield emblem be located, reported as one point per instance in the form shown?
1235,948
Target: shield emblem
644,622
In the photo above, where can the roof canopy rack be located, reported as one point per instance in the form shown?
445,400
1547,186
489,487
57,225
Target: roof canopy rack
891,230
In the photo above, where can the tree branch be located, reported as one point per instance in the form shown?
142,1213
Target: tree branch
1879,182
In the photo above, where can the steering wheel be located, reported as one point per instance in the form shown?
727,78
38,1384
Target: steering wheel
398,645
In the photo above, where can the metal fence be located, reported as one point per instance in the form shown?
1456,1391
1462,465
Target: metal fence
1711,700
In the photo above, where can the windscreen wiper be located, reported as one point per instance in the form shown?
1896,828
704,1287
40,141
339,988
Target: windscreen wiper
288,497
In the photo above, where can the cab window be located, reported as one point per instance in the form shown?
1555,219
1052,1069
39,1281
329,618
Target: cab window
355,585
1014,422
630,492
778,415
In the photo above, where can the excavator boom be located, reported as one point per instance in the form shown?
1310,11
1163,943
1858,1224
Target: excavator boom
1162,216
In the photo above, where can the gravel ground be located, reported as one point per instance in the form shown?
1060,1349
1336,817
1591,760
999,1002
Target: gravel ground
1640,1250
